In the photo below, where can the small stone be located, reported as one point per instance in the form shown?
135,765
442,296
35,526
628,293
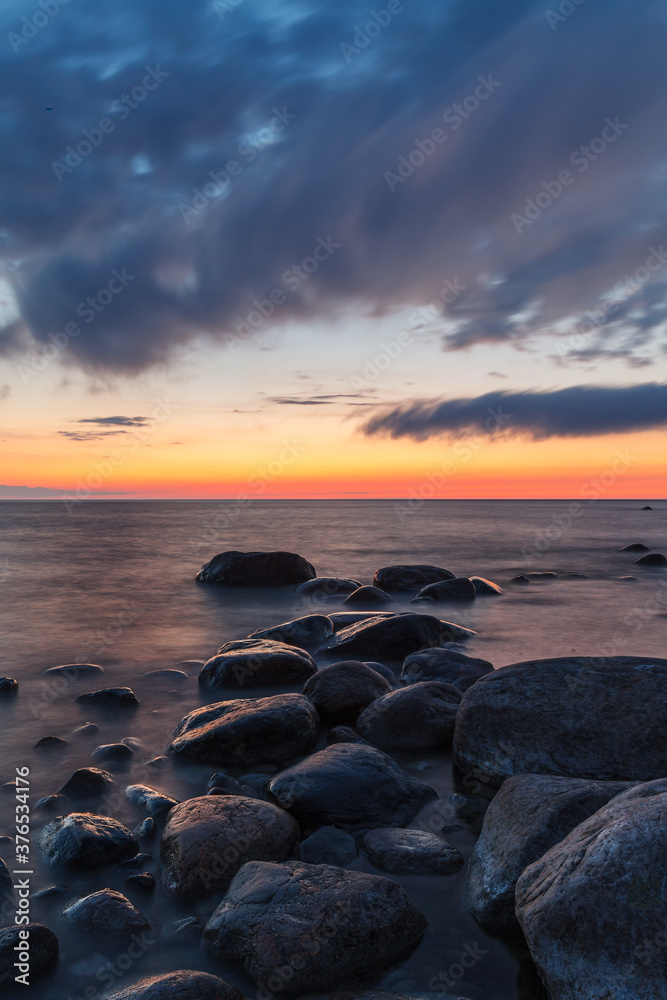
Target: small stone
88,729
105,913
84,840
122,697
50,803
50,743
138,861
146,830
114,752
155,803
411,851
53,892
73,671
145,881
87,783
328,846
9,687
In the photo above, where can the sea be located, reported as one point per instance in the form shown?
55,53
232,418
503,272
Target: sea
112,582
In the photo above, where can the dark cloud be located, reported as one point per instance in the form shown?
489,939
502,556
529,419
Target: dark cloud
88,435
578,411
323,174
119,421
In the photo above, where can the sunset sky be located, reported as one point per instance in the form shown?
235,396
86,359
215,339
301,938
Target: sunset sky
293,249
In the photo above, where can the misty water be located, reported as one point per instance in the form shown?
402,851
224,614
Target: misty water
113,583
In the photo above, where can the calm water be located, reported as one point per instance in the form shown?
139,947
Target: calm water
113,583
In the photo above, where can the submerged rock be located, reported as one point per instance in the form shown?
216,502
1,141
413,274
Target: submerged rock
368,597
182,985
593,908
577,717
257,569
72,671
247,731
418,717
349,785
85,840
50,743
9,687
459,589
305,632
43,951
446,665
122,697
635,547
411,851
407,578
652,559
529,815
248,662
106,913
327,586
484,587
338,924
393,637
87,783
206,840
116,752
340,691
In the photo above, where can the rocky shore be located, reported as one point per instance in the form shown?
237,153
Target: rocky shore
562,765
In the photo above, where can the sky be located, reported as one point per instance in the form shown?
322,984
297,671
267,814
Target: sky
269,248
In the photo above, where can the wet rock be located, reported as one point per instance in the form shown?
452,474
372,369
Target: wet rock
341,690
529,815
327,586
652,559
593,908
484,587
146,830
182,932
306,633
50,743
383,671
52,892
418,717
411,851
521,578
182,985
155,803
43,951
257,569
407,578
114,752
339,923
343,734
157,763
88,729
447,665
138,861
328,846
206,840
349,785
122,697
368,597
247,732
144,881
635,547
647,507
9,687
72,671
341,619
85,840
50,803
106,913
225,783
87,783
459,589
577,717
542,575
393,637
249,662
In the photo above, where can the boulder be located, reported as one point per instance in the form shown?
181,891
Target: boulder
594,908
257,569
249,662
447,665
418,717
393,637
155,803
116,752
87,783
529,815
484,587
327,586
85,840
328,846
577,717
409,578
306,633
368,597
652,559
411,851
340,691
43,951
246,732
338,924
206,840
459,589
349,785
106,913
181,985
122,697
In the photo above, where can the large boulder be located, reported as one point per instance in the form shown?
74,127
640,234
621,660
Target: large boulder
206,840
107,914
338,924
181,985
409,578
249,662
576,717
327,586
418,717
411,851
42,953
85,840
393,637
246,732
257,569
340,691
594,908
349,785
306,632
459,589
529,815
447,665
